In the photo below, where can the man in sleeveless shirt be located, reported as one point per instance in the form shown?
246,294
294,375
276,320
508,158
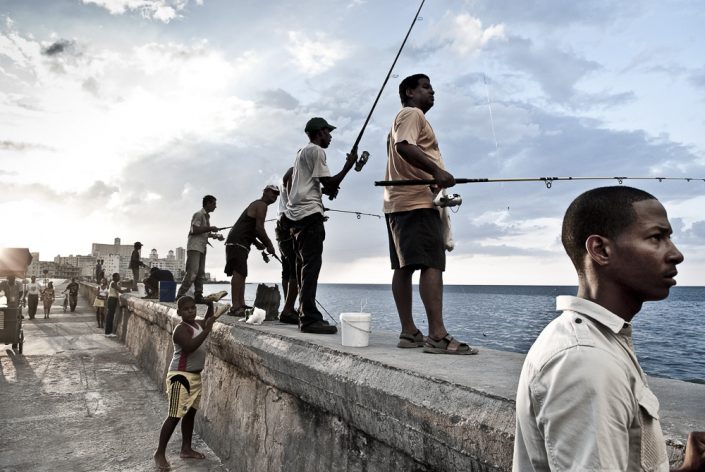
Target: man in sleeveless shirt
247,230
583,401
414,224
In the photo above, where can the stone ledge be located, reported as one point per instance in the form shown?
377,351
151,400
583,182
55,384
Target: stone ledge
274,396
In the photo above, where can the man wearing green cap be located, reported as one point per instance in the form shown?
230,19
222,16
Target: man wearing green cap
311,178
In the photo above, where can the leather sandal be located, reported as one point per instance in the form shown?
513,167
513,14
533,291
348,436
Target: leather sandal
447,345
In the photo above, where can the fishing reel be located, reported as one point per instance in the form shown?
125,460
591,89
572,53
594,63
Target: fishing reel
361,161
446,201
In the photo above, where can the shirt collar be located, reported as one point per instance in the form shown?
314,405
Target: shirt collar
592,310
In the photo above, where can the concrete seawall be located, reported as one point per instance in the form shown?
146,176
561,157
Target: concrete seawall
276,399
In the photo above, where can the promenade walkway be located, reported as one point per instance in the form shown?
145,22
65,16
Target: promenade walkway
77,401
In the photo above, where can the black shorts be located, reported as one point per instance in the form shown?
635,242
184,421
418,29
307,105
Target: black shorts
416,239
236,260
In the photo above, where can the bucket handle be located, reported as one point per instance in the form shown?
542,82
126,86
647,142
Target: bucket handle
347,322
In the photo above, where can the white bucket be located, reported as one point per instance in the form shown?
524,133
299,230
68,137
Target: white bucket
355,329
140,290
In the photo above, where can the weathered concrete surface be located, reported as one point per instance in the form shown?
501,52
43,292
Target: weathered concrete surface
77,401
276,399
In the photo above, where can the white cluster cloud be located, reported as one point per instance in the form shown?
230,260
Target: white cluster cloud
464,33
317,54
161,10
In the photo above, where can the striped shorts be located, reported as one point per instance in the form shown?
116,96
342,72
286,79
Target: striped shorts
184,391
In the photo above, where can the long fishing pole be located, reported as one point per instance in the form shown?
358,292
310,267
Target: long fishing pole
546,180
365,155
358,213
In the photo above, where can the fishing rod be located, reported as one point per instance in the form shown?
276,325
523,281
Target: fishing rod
362,160
358,213
548,181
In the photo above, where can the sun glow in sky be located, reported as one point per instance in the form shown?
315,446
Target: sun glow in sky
117,116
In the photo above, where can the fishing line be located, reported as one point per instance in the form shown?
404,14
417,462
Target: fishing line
358,213
365,155
548,181
329,315
489,106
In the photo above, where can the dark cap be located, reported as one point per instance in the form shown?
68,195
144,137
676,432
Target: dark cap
314,124
138,244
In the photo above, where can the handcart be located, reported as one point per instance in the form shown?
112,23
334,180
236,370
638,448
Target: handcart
13,261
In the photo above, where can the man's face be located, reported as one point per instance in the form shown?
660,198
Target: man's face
644,260
210,206
324,137
422,96
270,196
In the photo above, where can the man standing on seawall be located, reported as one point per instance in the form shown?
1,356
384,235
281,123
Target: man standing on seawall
135,264
198,235
414,225
583,401
247,230
311,178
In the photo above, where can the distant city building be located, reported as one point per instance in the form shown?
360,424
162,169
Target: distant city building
116,258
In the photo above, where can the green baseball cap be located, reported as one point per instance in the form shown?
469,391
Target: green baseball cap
316,123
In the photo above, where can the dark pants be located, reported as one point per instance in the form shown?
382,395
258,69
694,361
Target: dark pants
135,277
112,306
287,250
309,234
73,301
32,302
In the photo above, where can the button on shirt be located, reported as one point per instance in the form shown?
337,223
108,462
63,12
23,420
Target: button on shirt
583,402
198,242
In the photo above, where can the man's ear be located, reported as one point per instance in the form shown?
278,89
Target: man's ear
598,249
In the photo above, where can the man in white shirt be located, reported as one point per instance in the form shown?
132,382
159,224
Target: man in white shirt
583,401
311,178
199,232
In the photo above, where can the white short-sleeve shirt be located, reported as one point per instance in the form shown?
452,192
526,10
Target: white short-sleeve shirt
305,195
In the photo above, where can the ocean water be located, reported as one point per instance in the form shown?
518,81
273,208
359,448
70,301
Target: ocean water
669,336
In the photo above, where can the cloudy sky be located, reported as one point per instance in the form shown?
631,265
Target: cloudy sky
117,116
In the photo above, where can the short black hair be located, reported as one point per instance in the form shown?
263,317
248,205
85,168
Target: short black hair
410,82
605,211
208,199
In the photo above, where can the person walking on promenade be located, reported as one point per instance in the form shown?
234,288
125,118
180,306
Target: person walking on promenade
72,288
183,380
114,291
287,251
583,401
33,292
135,264
99,270
311,179
247,230
48,296
414,225
99,303
198,235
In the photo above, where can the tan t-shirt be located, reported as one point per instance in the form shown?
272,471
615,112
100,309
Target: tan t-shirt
409,126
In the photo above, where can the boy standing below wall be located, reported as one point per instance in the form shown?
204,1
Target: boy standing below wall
583,401
184,378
